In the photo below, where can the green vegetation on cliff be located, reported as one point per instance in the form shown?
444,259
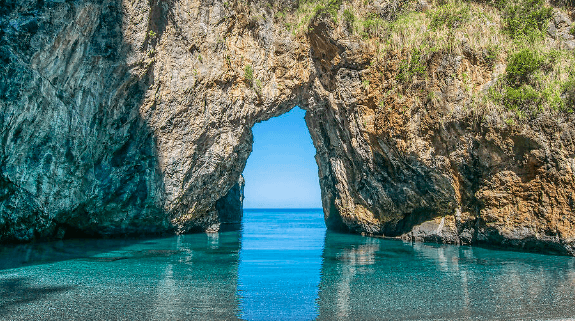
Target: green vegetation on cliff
532,72
525,18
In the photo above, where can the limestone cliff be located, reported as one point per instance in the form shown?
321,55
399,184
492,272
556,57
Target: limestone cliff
134,117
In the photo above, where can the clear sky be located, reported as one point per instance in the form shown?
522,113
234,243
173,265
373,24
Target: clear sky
281,171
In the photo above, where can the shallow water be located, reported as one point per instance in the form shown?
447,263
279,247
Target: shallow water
283,265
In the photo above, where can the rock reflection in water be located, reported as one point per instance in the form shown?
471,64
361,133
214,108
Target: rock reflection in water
176,278
370,278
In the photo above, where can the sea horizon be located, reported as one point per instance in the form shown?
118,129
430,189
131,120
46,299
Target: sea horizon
284,208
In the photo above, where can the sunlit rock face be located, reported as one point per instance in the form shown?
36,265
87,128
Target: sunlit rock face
134,117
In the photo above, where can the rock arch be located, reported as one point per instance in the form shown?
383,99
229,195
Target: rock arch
128,117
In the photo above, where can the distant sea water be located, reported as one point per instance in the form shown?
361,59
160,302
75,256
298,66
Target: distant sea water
282,265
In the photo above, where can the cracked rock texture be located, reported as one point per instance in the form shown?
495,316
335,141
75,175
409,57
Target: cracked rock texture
134,117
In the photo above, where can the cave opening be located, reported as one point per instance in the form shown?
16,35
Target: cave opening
281,171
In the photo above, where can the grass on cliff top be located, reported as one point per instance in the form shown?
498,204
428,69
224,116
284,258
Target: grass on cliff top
536,81
539,75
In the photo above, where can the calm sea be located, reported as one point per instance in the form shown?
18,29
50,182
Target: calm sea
283,265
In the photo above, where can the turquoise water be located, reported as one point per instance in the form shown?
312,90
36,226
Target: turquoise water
283,265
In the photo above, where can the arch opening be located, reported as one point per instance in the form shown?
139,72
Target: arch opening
281,171
283,230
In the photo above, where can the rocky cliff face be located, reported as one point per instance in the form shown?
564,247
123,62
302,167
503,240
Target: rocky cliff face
134,117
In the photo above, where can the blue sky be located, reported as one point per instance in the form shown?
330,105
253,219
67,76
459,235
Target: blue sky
281,171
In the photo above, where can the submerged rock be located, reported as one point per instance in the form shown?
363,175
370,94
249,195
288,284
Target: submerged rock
134,117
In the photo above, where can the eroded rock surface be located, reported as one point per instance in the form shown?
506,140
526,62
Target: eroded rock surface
134,117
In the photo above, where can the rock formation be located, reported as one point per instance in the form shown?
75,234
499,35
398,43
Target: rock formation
134,117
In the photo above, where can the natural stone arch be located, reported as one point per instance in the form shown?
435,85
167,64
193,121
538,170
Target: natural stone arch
135,117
